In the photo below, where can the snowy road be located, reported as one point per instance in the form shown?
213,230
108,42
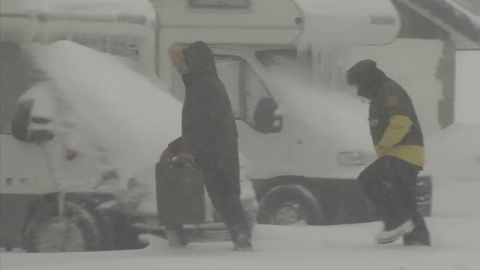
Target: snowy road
456,247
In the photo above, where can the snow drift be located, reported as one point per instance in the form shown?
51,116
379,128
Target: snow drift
114,108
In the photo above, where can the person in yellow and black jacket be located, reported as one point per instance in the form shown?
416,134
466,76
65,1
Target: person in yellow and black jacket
390,182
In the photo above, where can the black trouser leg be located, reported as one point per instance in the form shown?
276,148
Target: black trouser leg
225,195
406,188
377,182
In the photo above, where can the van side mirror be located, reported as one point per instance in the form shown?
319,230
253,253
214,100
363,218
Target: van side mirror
266,117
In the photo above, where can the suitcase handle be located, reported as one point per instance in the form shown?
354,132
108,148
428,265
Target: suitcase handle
182,163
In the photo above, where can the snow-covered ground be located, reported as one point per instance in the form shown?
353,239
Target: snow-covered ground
456,247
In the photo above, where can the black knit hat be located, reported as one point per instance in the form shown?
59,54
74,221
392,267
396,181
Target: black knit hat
361,72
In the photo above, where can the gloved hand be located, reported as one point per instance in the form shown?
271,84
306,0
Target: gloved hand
166,156
183,159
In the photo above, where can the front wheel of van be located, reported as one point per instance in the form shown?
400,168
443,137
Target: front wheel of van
290,204
75,230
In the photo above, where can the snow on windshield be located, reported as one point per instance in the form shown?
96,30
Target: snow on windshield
120,110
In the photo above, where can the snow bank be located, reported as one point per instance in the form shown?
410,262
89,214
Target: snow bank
458,143
453,158
454,154
467,92
119,110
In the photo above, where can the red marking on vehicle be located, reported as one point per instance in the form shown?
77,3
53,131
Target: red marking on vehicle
71,154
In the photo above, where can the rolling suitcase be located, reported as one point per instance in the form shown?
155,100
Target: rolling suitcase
180,195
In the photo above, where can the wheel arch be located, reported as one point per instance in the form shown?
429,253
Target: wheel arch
84,203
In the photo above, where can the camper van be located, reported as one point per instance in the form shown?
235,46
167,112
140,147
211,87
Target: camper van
303,166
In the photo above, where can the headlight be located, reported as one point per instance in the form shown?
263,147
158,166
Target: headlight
355,158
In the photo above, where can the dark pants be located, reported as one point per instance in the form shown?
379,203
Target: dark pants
224,192
390,185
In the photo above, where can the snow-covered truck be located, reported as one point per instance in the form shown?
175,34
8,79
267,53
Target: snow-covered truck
301,171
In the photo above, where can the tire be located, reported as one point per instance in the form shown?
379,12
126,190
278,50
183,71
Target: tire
106,227
290,204
116,234
77,230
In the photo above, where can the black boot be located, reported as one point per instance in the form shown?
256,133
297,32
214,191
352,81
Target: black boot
417,238
420,236
241,237
394,228
176,236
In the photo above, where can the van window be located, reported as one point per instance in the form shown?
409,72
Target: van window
255,91
243,85
229,72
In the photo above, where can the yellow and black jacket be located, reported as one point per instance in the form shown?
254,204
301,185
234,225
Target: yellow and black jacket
394,125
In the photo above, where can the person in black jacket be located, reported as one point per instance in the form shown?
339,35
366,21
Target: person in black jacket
390,182
209,137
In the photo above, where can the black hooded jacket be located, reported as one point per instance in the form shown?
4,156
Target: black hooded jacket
209,131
